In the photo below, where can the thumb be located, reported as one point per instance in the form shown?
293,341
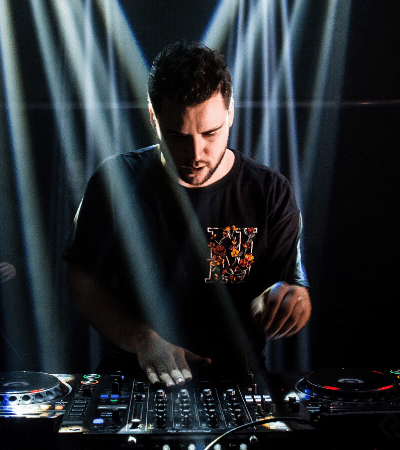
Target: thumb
192,357
256,307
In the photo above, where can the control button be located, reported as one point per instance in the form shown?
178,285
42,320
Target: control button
160,421
135,423
183,394
295,407
206,395
230,395
240,419
140,386
213,420
116,387
253,440
161,396
98,423
186,421
116,418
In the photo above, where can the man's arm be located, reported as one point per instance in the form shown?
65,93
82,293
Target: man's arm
161,360
282,310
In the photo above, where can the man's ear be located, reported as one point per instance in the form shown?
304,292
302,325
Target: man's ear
154,121
231,112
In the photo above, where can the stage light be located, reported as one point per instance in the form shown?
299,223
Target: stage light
326,101
61,103
220,24
37,253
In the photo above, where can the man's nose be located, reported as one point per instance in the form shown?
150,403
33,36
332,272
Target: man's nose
197,147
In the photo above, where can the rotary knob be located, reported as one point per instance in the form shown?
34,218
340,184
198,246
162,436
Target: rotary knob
161,396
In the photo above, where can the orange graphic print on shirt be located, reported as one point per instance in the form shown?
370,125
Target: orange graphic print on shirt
231,254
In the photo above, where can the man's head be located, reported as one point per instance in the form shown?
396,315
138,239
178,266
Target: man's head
188,74
192,110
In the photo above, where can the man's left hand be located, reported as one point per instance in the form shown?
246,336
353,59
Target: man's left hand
282,310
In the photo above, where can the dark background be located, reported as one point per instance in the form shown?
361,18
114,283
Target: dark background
350,190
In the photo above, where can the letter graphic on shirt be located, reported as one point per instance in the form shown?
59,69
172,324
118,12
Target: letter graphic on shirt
231,254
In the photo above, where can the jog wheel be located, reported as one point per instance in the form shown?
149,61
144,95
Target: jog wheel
26,388
349,385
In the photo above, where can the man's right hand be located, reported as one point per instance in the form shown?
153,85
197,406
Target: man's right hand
165,362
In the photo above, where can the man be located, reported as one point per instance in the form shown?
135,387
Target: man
186,254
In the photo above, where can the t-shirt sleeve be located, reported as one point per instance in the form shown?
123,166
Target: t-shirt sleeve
285,225
91,243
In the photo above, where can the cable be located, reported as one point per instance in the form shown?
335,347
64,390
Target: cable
256,423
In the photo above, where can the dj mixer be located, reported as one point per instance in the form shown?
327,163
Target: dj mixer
94,411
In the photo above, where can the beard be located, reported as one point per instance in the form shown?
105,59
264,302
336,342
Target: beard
189,176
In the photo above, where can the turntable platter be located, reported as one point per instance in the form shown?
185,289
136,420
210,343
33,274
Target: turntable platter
24,388
349,385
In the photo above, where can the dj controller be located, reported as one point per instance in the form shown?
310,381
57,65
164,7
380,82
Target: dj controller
323,409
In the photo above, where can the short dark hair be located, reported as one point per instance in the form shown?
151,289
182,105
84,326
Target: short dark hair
188,73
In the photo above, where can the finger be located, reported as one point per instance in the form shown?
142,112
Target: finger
178,376
173,369
257,307
273,303
305,317
152,375
292,324
166,378
190,356
184,369
284,318
297,327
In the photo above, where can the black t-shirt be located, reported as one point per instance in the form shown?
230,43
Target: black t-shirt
189,261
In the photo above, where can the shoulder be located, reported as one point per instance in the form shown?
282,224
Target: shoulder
252,171
265,186
134,164
143,157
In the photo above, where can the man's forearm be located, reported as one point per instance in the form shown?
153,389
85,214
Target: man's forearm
161,360
105,311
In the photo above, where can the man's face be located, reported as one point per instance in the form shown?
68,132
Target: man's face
196,137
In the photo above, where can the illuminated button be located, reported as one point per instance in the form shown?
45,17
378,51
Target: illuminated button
59,407
249,399
98,421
